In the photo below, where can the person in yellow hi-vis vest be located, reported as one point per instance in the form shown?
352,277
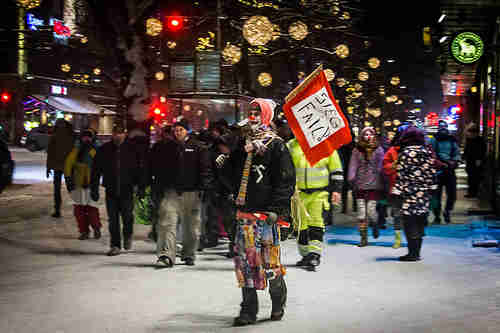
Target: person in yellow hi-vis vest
313,185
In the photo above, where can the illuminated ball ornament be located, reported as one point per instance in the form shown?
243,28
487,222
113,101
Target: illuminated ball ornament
301,75
363,76
390,135
159,75
334,10
350,109
65,68
399,102
153,26
84,40
265,79
29,4
387,123
342,51
395,80
97,71
258,30
358,87
232,54
396,122
298,30
341,82
345,16
367,124
330,75
373,62
276,31
171,44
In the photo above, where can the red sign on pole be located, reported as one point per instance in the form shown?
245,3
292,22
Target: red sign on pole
315,117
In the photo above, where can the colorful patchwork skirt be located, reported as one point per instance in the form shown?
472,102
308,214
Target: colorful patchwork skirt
257,249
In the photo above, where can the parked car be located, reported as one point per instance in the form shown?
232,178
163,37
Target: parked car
37,139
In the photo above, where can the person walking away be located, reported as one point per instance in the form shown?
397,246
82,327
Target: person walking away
446,148
6,162
365,175
474,155
77,178
119,164
414,184
314,184
60,145
181,170
265,179
389,169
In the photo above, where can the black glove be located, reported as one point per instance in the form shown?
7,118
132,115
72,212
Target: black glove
49,172
69,184
94,194
272,218
141,193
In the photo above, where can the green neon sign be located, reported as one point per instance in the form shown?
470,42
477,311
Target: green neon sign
467,47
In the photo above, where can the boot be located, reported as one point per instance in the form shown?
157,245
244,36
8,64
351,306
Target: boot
446,215
313,261
364,238
397,239
278,292
375,231
249,308
412,251
303,262
419,247
83,236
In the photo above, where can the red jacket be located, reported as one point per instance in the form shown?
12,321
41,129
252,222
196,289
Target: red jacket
389,158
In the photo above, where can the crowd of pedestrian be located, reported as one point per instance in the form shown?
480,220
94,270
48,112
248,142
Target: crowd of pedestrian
248,181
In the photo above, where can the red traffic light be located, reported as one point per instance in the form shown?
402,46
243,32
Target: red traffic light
5,97
175,23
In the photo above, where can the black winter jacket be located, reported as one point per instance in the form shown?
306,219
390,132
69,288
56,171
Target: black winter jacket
122,167
183,166
271,183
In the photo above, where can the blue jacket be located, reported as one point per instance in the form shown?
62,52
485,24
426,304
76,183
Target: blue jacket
446,147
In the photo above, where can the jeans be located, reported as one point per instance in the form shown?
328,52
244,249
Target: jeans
58,174
117,205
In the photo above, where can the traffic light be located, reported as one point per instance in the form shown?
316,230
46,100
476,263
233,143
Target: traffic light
175,23
6,97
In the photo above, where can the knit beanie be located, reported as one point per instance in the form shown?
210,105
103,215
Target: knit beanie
267,107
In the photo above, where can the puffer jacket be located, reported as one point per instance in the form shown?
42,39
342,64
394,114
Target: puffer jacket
391,173
79,171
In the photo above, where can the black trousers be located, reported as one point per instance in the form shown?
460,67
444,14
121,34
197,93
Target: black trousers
448,180
414,226
474,175
277,291
116,206
58,174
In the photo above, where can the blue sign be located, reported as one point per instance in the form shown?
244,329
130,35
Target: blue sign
34,22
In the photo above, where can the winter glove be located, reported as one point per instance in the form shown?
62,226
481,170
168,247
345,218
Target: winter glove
49,172
69,184
94,194
272,218
220,160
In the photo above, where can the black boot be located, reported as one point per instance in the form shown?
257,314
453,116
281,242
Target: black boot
278,292
419,247
412,251
249,308
313,261
375,231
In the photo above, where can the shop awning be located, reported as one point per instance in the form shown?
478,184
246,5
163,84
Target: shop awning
73,105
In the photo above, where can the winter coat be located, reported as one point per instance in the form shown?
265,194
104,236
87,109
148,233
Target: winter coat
60,145
183,167
325,175
366,174
446,148
390,172
415,180
120,166
271,182
79,171
475,150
